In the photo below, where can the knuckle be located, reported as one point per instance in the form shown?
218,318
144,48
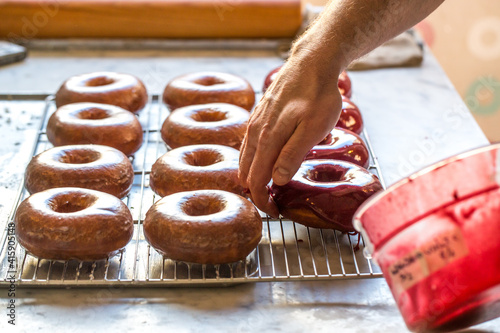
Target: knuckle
252,129
265,135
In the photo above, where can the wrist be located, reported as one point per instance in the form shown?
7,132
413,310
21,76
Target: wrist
316,61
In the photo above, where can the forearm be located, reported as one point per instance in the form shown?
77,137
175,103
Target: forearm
303,103
348,29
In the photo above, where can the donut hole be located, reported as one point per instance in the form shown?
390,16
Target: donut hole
209,115
99,81
203,158
71,202
209,81
203,205
79,156
325,175
93,114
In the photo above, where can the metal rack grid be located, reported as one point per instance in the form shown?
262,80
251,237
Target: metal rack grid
288,251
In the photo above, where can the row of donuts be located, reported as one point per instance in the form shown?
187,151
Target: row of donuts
81,157
74,211
92,109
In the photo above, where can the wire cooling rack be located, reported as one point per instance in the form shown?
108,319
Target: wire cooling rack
288,251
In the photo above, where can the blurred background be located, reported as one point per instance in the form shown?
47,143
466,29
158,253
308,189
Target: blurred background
464,35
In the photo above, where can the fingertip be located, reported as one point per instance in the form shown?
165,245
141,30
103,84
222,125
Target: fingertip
272,209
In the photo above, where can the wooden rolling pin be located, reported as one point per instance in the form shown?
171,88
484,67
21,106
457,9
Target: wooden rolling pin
26,19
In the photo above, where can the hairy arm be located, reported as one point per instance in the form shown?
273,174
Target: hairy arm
303,104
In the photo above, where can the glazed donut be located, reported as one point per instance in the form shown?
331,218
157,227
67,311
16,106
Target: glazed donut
73,223
350,117
204,227
216,123
103,124
123,90
325,194
197,167
208,87
344,83
345,86
94,167
341,144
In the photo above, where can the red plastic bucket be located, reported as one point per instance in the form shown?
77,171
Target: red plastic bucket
436,237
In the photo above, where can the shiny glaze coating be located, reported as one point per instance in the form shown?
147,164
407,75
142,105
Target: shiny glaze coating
196,167
345,86
350,117
103,124
94,167
208,87
205,227
73,223
123,90
216,123
341,144
344,83
325,194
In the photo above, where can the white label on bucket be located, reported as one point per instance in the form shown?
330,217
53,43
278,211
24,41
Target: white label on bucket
435,254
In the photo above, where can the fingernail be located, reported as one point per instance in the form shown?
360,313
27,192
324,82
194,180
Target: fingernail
281,176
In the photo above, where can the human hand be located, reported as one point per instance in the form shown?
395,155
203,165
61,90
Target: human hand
298,111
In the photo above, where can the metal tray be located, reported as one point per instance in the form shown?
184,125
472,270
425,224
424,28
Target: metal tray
288,251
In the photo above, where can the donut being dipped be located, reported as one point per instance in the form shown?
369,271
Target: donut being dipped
73,223
95,167
94,123
325,194
204,227
208,87
216,123
341,144
196,167
123,90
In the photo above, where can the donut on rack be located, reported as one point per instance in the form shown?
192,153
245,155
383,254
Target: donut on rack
73,223
123,90
94,167
341,144
196,167
350,117
104,124
325,194
216,123
208,87
204,227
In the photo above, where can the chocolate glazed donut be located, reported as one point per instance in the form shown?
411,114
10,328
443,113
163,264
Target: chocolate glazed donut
208,87
104,124
325,194
196,167
123,90
73,223
205,227
216,123
95,167
341,144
